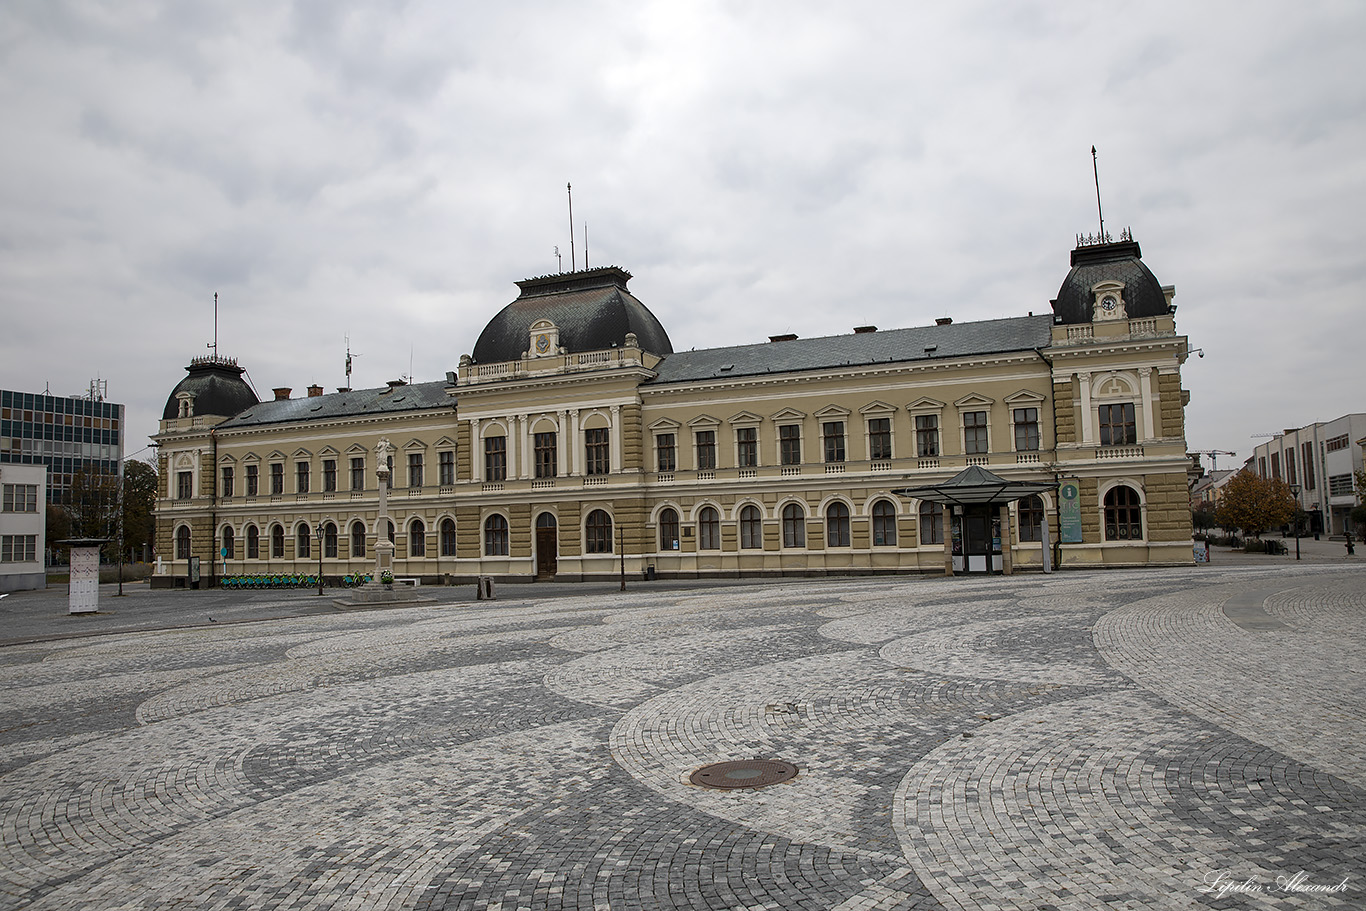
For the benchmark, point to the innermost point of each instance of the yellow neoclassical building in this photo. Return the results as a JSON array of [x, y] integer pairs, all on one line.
[[573, 443]]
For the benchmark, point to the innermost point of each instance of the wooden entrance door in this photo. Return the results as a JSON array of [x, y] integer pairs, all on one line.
[[547, 546]]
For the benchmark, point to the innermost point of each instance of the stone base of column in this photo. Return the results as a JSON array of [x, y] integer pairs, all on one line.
[[375, 594]]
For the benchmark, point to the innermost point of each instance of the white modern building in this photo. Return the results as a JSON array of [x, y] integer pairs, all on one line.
[[1322, 460], [23, 498]]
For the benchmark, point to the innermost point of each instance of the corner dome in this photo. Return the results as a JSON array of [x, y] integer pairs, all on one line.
[[592, 309], [1107, 261], [217, 387]]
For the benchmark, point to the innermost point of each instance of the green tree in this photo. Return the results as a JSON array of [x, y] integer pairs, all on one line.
[[1253, 504], [58, 529], [139, 500]]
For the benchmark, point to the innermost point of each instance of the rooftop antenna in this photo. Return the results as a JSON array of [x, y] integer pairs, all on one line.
[[1095, 169], [348, 361], [585, 246], [559, 260], [573, 260], [214, 346]]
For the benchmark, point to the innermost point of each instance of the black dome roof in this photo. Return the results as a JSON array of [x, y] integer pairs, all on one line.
[[1120, 262], [217, 386], [592, 309]]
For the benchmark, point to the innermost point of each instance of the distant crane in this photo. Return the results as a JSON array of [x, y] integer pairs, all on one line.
[[1213, 455]]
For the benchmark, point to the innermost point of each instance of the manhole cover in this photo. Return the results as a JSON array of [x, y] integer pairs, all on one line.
[[744, 773]]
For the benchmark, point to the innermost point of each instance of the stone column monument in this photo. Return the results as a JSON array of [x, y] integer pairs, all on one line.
[[375, 594]]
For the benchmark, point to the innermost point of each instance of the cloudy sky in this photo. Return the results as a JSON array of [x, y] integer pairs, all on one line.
[[387, 171]]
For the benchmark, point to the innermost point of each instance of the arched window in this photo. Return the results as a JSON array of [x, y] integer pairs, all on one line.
[[182, 543], [447, 538], [837, 525], [253, 543], [751, 528], [330, 541], [931, 523], [884, 524], [495, 536], [1123, 515], [303, 538], [417, 539], [1031, 519], [708, 529], [357, 538], [598, 532], [229, 551], [668, 530], [277, 540], [391, 531], [794, 526]]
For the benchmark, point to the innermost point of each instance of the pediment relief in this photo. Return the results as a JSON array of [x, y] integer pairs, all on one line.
[[788, 414], [251, 457], [414, 444], [226, 460], [1113, 385], [833, 411], [877, 408], [277, 456], [445, 443], [328, 451], [302, 453], [704, 420], [356, 449], [745, 417], [1024, 396], [184, 460], [664, 425]]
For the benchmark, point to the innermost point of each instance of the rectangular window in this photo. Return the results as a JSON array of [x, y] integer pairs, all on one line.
[[597, 451], [330, 475], [1117, 425], [1336, 443], [790, 444], [495, 459], [18, 548], [747, 447], [1026, 429], [227, 490], [706, 449], [357, 472], [927, 436], [832, 434], [880, 438], [1276, 465], [253, 480], [277, 478], [445, 467], [184, 485], [414, 469], [1340, 485], [975, 433], [1290, 475], [546, 455], [21, 498], [1307, 453], [666, 457], [301, 477]]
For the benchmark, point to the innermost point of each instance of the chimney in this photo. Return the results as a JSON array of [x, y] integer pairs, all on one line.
[[864, 330], [782, 338], [282, 393], [944, 321], [314, 391]]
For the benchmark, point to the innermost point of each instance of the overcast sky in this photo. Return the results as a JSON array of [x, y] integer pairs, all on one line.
[[388, 170]]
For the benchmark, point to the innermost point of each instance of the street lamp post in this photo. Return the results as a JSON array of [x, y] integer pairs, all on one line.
[[1295, 490], [319, 530]]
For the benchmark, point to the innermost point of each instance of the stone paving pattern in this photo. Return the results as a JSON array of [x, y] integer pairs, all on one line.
[[1122, 739]]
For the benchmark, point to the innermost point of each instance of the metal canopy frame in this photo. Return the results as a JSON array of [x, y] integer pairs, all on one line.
[[975, 486]]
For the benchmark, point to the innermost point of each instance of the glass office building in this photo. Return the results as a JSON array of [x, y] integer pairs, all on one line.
[[67, 434]]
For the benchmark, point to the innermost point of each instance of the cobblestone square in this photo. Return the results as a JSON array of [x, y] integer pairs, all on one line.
[[1188, 738]]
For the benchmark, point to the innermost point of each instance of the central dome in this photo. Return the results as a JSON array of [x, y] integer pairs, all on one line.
[[592, 309]]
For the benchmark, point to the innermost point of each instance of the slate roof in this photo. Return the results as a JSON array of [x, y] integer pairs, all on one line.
[[356, 403], [996, 336], [592, 309], [217, 386], [1120, 262]]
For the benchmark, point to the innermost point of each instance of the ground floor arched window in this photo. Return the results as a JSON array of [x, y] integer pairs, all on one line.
[[302, 542], [884, 524], [182, 543], [357, 538], [253, 542], [277, 540], [751, 528], [417, 539], [668, 529], [709, 529], [447, 538], [598, 533], [495, 536], [229, 544], [837, 525], [1123, 514], [1031, 519], [330, 541], [794, 526]]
